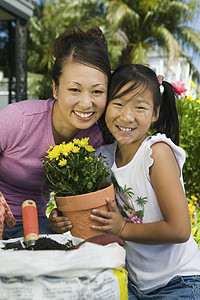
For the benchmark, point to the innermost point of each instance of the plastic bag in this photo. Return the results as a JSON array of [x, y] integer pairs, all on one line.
[[89, 272]]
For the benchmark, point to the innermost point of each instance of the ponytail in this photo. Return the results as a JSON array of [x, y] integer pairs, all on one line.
[[168, 122]]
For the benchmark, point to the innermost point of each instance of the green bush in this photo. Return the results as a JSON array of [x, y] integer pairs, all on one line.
[[189, 118], [51, 204], [196, 229], [195, 218]]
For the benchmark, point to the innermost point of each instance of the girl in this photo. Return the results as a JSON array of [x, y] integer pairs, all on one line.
[[162, 258], [80, 77]]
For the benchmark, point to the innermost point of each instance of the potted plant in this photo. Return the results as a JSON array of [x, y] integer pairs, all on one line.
[[77, 176]]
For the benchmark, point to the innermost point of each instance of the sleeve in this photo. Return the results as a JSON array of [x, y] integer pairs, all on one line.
[[179, 153], [11, 125]]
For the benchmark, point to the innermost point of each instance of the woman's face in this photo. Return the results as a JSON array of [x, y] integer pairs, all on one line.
[[81, 97]]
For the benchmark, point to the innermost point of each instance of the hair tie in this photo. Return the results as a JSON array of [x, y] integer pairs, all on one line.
[[160, 80]]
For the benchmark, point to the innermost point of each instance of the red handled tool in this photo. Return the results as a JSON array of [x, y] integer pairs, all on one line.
[[30, 223]]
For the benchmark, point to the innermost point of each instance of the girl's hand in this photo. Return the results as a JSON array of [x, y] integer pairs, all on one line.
[[112, 221], [58, 223]]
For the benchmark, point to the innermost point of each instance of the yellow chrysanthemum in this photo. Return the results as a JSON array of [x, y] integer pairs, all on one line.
[[49, 149], [194, 198], [75, 149], [190, 97], [81, 143], [67, 148], [89, 148], [54, 152], [198, 100], [192, 231], [62, 162], [71, 162], [192, 84]]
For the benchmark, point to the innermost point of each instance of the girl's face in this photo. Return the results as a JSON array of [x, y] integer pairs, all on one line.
[[81, 97], [129, 117]]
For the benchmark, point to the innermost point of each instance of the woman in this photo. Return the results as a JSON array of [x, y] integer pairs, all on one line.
[[80, 77]]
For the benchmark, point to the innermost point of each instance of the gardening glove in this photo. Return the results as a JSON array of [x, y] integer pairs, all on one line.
[[6, 215]]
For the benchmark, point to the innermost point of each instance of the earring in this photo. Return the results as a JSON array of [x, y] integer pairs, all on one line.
[[54, 96]]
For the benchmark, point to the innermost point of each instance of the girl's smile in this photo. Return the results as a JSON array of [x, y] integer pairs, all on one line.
[[125, 130]]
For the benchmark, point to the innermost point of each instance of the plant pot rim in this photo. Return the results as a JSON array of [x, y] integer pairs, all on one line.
[[67, 203]]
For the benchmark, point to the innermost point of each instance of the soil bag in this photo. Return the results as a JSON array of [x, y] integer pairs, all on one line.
[[91, 271]]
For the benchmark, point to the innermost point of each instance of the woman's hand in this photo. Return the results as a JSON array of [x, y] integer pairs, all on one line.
[[6, 215], [59, 223], [112, 221]]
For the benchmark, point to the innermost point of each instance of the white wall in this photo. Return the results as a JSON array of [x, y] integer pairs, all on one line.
[[3, 91], [178, 71]]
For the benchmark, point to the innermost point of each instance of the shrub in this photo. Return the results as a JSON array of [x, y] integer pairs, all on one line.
[[195, 218], [189, 118]]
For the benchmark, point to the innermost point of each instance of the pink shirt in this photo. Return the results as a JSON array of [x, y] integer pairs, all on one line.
[[25, 135]]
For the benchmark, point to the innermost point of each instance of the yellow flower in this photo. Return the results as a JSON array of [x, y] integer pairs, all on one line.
[[71, 168], [192, 84], [53, 152], [89, 148], [194, 198], [192, 231], [194, 220], [81, 143], [75, 149], [190, 97], [191, 208], [66, 148], [198, 100], [62, 162]]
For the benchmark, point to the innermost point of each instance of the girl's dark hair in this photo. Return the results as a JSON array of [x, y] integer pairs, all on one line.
[[143, 78], [89, 48]]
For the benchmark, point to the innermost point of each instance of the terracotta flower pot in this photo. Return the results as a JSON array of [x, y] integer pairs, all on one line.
[[78, 210]]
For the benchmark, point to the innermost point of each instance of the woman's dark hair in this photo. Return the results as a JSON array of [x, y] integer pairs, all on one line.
[[89, 48], [143, 78]]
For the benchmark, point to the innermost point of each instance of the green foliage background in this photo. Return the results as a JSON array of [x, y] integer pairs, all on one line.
[[189, 118], [132, 29]]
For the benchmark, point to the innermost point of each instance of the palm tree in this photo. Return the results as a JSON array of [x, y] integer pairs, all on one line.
[[51, 19], [132, 28], [143, 25]]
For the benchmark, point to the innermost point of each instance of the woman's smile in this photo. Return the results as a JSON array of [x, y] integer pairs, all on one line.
[[85, 116]]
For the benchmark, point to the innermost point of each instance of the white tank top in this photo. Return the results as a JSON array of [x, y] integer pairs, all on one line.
[[149, 266]]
